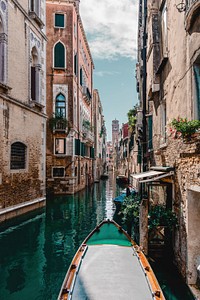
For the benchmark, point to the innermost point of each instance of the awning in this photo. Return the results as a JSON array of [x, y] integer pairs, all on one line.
[[148, 177]]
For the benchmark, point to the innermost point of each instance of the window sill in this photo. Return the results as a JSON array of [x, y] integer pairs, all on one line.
[[60, 156], [36, 18], [163, 145], [5, 89], [162, 64], [58, 27], [59, 69], [35, 104]]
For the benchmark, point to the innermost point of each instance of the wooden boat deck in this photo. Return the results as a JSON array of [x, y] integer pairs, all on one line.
[[111, 272], [110, 266]]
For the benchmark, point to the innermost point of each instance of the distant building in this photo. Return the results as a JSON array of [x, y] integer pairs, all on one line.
[[99, 137], [115, 131], [22, 102], [70, 136]]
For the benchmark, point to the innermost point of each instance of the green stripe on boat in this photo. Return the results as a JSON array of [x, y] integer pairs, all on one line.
[[109, 234]]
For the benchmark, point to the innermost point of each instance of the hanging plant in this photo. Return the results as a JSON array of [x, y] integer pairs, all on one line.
[[58, 122]]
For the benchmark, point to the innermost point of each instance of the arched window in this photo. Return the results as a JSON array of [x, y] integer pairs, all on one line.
[[60, 107], [18, 156], [35, 70], [59, 55]]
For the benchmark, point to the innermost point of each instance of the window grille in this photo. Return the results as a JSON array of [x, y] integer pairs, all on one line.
[[59, 172], [18, 156], [59, 56]]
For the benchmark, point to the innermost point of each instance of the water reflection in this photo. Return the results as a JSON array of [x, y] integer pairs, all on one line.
[[35, 253], [36, 250]]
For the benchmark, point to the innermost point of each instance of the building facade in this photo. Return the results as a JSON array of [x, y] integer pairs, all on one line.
[[99, 137], [172, 94], [70, 136], [115, 131], [22, 101]]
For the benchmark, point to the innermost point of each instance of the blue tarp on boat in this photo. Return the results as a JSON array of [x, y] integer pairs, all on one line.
[[122, 196]]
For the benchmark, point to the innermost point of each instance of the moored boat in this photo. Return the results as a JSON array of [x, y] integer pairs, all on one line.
[[124, 194], [110, 266], [104, 176], [122, 179]]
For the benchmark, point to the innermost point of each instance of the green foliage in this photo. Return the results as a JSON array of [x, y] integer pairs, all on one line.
[[130, 210], [186, 128], [132, 119], [160, 216], [103, 131], [58, 122], [86, 124]]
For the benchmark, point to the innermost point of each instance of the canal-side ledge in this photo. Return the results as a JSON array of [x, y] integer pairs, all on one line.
[[195, 291], [21, 208]]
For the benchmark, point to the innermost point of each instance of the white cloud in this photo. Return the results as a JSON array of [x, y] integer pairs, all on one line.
[[111, 27], [104, 73]]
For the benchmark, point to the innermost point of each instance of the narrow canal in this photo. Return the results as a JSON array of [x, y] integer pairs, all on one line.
[[36, 250]]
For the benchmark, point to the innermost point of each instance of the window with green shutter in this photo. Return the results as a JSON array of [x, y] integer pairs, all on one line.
[[83, 149], [92, 153], [59, 55], [77, 146], [59, 20]]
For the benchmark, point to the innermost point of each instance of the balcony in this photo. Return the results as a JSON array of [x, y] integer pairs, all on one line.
[[192, 14], [59, 124]]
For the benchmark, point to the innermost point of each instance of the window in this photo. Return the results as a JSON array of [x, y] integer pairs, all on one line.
[[81, 76], [35, 6], [164, 29], [59, 55], [197, 91], [75, 64], [59, 20], [18, 156], [58, 172], [3, 39], [77, 146], [60, 146], [150, 132], [163, 124], [60, 107], [35, 69]]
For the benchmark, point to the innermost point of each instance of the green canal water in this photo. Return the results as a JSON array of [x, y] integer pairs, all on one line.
[[36, 249]]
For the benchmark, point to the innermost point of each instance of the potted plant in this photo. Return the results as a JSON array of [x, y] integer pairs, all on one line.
[[181, 127]]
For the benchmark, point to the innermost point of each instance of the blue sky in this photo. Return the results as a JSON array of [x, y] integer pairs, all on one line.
[[111, 29]]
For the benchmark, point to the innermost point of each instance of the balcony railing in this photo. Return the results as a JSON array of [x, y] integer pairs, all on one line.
[[58, 124]]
